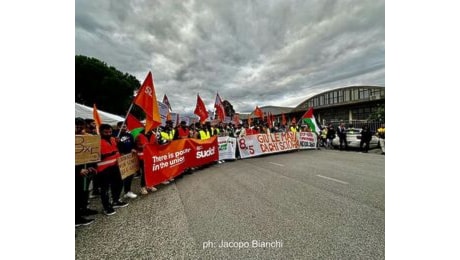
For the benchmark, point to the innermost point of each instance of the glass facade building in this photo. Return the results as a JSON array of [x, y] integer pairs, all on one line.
[[344, 104]]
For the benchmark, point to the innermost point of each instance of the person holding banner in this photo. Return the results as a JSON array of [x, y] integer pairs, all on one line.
[[109, 175], [90, 129], [82, 172], [182, 131], [126, 145], [167, 133], [141, 140]]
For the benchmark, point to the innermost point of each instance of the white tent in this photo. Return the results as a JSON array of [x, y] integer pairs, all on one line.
[[87, 112]]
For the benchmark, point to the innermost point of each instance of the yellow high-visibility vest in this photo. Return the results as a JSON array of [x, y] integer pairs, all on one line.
[[205, 134]]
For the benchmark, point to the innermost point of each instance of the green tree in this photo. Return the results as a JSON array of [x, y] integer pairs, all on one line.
[[108, 88], [379, 114]]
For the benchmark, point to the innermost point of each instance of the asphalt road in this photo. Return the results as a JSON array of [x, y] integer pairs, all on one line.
[[311, 204]]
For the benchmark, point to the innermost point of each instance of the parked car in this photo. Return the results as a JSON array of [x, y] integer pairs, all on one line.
[[354, 139]]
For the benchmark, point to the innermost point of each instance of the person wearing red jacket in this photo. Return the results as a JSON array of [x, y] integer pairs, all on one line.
[[108, 172]]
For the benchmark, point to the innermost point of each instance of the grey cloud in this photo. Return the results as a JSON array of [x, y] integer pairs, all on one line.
[[251, 52]]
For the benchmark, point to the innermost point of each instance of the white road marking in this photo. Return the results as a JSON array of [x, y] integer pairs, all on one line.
[[277, 164], [332, 179]]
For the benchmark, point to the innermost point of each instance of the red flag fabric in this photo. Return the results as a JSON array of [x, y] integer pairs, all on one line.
[[146, 99], [283, 119], [200, 110], [219, 106], [97, 118], [166, 102], [258, 112], [163, 162], [269, 119], [132, 122]]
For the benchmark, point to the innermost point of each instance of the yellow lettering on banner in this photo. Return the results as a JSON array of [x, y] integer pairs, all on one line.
[[87, 149], [128, 164]]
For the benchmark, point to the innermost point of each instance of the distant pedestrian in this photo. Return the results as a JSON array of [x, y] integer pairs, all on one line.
[[381, 135], [330, 135], [366, 137], [342, 134]]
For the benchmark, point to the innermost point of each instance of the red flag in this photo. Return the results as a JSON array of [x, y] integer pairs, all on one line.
[[283, 119], [200, 109], [97, 118], [166, 102], [132, 122], [219, 106], [269, 119], [147, 100], [259, 113]]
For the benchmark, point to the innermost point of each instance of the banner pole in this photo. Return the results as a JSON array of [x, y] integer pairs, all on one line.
[[126, 117]]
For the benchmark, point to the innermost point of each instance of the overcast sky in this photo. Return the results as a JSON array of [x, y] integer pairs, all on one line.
[[252, 52]]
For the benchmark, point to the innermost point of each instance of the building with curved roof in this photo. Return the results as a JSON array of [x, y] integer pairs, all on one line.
[[343, 104]]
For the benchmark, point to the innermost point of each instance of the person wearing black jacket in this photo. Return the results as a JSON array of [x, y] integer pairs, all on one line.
[[330, 135], [342, 134], [366, 137]]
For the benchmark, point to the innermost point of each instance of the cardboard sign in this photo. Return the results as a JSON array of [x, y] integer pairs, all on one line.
[[87, 149], [128, 164]]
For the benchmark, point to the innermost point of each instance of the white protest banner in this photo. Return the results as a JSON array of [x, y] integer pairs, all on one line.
[[227, 147], [307, 140], [255, 145]]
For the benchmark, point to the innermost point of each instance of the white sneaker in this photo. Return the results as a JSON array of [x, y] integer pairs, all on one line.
[[130, 195], [144, 191], [152, 189], [165, 182]]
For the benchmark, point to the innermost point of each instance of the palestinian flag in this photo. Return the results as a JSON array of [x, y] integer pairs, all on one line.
[[309, 119]]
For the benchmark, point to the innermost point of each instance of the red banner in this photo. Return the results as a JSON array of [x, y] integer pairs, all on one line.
[[163, 162]]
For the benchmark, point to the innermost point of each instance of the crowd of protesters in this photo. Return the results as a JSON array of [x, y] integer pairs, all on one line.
[[104, 177]]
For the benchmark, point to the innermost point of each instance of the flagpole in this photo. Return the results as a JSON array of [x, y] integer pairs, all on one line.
[[126, 117]]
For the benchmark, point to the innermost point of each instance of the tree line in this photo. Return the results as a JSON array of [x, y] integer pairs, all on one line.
[[110, 89]]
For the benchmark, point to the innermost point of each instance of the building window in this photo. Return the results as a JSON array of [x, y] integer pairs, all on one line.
[[347, 95], [364, 94], [340, 98], [355, 94]]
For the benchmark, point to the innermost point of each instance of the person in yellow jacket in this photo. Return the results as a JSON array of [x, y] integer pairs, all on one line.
[[168, 132], [206, 132], [381, 135], [167, 135], [293, 128]]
